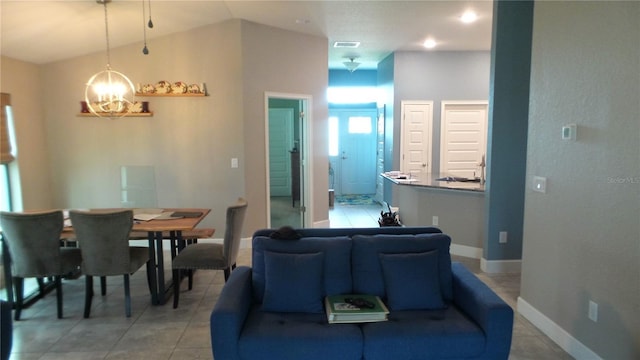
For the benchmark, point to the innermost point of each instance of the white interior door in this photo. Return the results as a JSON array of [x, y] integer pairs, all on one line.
[[280, 143], [463, 137], [416, 136]]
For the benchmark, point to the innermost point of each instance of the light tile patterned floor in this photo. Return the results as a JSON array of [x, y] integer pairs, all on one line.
[[161, 332]]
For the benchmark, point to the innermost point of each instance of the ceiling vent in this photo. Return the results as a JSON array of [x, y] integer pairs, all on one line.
[[346, 44]]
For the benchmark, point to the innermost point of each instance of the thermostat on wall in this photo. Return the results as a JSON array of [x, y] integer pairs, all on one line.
[[569, 132]]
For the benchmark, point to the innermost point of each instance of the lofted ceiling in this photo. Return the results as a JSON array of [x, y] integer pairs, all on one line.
[[52, 30]]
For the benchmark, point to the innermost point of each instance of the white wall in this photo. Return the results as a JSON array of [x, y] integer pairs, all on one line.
[[30, 170], [281, 61], [189, 141], [438, 76], [582, 238]]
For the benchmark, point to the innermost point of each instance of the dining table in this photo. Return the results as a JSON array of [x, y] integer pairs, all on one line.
[[165, 227]]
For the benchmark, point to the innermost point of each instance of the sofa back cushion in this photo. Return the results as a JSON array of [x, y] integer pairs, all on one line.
[[368, 276], [293, 282], [336, 258]]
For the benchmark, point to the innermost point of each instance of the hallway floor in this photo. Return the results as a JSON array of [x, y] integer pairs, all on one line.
[[161, 332]]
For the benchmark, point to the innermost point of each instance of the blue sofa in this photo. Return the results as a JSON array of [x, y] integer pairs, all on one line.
[[438, 309]]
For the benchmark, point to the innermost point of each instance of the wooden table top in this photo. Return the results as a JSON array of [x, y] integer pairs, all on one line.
[[176, 224]]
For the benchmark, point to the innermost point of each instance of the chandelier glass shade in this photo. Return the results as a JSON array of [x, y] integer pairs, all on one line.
[[351, 65], [109, 93]]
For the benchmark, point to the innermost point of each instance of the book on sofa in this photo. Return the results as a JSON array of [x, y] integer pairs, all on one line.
[[355, 308]]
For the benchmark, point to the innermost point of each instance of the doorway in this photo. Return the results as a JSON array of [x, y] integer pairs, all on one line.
[[287, 134], [352, 151]]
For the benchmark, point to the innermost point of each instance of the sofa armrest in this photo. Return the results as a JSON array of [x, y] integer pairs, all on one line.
[[229, 314], [486, 308]]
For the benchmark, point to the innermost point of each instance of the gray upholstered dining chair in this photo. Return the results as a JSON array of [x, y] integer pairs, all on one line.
[[104, 242], [33, 242], [202, 256]]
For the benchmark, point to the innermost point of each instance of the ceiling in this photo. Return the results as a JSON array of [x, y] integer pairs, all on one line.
[[51, 30]]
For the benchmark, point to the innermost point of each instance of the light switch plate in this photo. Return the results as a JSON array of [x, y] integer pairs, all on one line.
[[569, 132], [540, 184]]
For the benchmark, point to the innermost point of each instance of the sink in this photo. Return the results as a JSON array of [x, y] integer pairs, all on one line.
[[459, 179]]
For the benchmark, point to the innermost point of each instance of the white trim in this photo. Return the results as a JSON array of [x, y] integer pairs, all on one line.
[[245, 243], [322, 224], [500, 266], [466, 251], [306, 159], [561, 337]]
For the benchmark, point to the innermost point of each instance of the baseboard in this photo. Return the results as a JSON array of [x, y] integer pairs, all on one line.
[[245, 243], [322, 224], [567, 342], [466, 251], [500, 266]]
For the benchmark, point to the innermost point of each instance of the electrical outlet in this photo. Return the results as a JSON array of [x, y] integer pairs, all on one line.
[[234, 163], [593, 311], [502, 239], [434, 221]]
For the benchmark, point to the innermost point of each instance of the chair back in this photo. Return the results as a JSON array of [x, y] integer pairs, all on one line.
[[233, 230], [104, 241], [33, 241]]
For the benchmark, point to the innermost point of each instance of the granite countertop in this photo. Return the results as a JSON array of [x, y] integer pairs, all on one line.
[[436, 181]]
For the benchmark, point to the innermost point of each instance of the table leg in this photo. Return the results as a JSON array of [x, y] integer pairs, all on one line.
[[160, 269], [172, 237], [160, 290], [153, 268]]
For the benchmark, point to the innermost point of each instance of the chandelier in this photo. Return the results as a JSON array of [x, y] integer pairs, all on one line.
[[351, 65], [109, 93]]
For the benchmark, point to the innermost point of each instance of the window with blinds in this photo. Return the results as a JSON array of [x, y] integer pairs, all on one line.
[[6, 154]]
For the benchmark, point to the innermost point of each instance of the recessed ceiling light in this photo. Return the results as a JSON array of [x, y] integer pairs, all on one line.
[[429, 43], [468, 17], [303, 21]]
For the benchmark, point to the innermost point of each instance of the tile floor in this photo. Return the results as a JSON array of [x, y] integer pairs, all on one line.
[[161, 332]]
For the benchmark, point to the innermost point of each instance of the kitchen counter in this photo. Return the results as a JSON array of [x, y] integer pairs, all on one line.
[[456, 207], [434, 181]]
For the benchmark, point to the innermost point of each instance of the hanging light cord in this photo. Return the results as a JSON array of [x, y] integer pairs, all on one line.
[[150, 22], [145, 49], [106, 26]]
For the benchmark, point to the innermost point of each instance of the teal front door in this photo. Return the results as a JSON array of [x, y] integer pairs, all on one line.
[[353, 137]]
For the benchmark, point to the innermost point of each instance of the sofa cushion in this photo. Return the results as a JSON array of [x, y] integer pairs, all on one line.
[[294, 282], [367, 270], [425, 334], [294, 336], [411, 281], [336, 268]]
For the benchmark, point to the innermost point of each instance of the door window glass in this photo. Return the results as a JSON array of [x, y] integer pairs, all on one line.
[[333, 136], [359, 125]]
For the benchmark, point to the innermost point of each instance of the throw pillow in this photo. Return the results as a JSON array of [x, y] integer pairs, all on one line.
[[411, 281], [294, 282]]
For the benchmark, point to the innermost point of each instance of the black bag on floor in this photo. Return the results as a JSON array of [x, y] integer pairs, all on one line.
[[388, 218]]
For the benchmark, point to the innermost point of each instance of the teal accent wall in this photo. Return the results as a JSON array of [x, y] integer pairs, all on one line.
[[356, 78], [508, 125]]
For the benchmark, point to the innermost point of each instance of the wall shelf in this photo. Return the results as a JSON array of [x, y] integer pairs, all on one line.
[[148, 114], [171, 95]]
